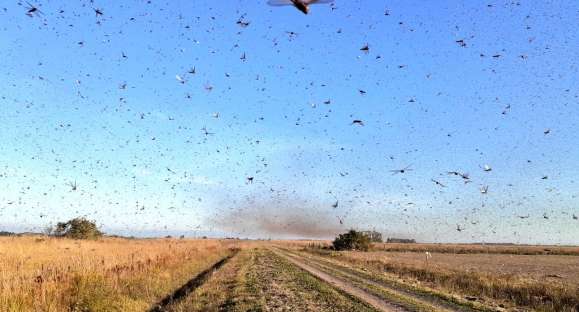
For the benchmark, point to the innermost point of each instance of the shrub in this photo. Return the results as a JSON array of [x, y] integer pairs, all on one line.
[[352, 240], [5, 233], [77, 228]]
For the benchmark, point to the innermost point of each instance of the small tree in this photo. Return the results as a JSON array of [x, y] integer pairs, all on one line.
[[352, 240], [77, 228]]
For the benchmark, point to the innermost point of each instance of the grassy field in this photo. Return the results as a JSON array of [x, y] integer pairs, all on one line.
[[543, 283], [554, 269], [112, 274], [49, 274], [480, 249]]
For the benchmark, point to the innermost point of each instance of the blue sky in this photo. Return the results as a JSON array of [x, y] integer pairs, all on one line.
[[108, 101]]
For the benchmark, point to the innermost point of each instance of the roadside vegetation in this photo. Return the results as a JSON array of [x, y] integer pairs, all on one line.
[[352, 240], [108, 274], [504, 290]]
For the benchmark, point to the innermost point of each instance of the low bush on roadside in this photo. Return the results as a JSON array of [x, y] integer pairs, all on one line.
[[352, 240]]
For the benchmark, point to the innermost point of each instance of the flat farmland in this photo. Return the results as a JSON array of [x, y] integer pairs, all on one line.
[[503, 280], [554, 268], [510, 249], [50, 274], [114, 274]]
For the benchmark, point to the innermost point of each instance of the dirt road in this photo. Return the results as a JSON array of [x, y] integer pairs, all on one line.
[[275, 279], [378, 303], [382, 294], [259, 280]]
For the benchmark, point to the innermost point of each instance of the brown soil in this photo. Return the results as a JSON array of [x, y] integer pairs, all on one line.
[[375, 301], [552, 268]]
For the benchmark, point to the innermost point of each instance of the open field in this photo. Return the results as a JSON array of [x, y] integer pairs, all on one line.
[[112, 274], [556, 269], [480, 248], [545, 283], [49, 274]]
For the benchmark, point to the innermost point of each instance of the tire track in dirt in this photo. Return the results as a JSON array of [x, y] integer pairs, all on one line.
[[190, 286], [376, 302], [405, 297]]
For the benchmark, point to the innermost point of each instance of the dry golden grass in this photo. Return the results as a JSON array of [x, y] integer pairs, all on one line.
[[50, 274], [515, 280], [555, 269], [113, 274], [480, 249]]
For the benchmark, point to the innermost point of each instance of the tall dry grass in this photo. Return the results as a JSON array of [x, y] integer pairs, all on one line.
[[479, 248], [512, 289], [112, 274]]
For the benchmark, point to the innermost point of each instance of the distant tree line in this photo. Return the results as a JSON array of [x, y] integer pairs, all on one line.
[[401, 240], [375, 237], [5, 233]]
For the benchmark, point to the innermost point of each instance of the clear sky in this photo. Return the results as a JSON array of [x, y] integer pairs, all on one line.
[[111, 104]]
